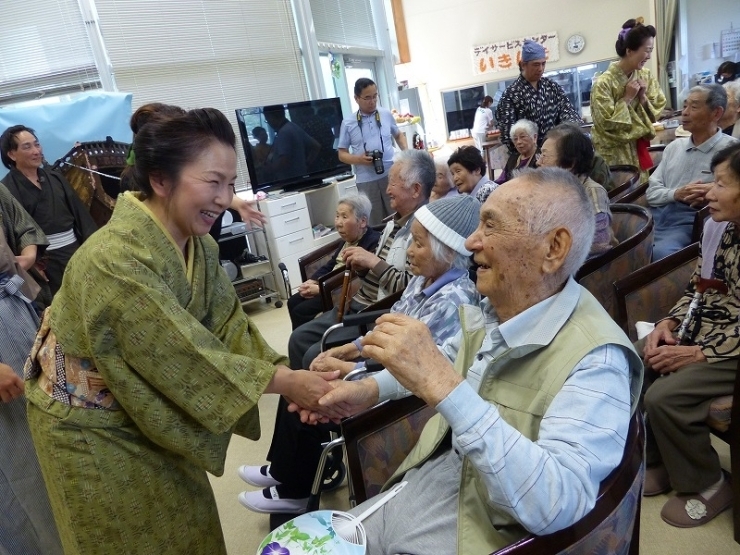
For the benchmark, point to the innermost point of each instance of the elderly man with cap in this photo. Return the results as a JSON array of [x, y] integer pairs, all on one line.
[[439, 261], [533, 97], [535, 411]]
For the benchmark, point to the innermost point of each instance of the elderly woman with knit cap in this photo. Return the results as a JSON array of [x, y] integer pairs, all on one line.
[[626, 100], [439, 261]]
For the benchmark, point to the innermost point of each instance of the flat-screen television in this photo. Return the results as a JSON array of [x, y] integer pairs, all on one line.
[[291, 146]]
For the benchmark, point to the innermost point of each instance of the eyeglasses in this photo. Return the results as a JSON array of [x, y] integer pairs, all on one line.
[[369, 98]]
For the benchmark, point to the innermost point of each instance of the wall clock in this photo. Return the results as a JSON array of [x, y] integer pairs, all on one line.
[[575, 43]]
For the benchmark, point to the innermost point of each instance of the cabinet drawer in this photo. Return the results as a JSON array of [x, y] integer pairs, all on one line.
[[347, 187], [285, 224], [300, 241], [289, 203]]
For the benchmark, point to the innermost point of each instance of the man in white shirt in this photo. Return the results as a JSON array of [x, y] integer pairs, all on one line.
[[679, 183]]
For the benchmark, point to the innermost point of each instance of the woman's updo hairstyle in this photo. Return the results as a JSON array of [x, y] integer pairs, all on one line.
[[165, 146], [632, 36]]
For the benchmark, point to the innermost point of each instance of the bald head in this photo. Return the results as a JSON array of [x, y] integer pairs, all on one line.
[[550, 198]]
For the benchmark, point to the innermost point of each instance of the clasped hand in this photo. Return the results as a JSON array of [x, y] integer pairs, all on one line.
[[693, 193], [662, 352]]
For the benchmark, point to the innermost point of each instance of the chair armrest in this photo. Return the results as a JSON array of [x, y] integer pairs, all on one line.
[[327, 285], [308, 259]]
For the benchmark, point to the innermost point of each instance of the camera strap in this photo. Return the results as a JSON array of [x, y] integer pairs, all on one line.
[[380, 134]]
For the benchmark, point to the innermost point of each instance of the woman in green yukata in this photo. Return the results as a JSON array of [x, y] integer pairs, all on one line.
[[626, 100], [145, 364]]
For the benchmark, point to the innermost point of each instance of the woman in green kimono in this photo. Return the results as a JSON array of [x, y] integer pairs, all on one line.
[[145, 363], [626, 100]]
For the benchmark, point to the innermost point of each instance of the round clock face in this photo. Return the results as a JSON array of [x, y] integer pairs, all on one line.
[[575, 44]]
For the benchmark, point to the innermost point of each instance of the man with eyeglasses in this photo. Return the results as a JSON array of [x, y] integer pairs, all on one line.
[[369, 135], [533, 97]]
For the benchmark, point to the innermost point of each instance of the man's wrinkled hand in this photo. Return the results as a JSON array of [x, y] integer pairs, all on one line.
[[331, 364], [358, 258], [669, 358], [405, 347]]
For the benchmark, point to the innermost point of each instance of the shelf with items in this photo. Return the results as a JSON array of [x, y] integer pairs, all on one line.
[[254, 278], [291, 219]]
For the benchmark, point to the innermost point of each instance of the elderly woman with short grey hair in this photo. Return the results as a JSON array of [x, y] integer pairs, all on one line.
[[524, 137], [730, 122], [350, 220]]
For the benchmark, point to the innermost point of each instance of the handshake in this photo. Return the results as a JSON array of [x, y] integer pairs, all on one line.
[[401, 344]]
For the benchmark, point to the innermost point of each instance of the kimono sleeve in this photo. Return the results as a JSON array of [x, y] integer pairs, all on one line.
[[168, 369]]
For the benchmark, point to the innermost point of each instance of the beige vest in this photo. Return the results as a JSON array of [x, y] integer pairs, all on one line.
[[522, 391]]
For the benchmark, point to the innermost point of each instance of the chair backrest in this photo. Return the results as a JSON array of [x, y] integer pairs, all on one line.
[[656, 153], [309, 263], [613, 525], [378, 440], [625, 178], [698, 226], [633, 227], [97, 191], [647, 294], [636, 196]]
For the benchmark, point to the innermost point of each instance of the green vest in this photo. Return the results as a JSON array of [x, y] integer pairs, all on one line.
[[522, 392]]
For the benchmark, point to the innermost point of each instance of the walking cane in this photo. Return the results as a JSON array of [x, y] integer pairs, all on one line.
[[343, 304], [702, 285]]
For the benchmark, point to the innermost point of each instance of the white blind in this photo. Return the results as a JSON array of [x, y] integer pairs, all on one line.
[[345, 22], [225, 54], [44, 50]]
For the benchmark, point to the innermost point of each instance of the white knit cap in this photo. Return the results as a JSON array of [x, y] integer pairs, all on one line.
[[451, 220]]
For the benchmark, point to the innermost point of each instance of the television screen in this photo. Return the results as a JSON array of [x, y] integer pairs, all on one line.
[[291, 146]]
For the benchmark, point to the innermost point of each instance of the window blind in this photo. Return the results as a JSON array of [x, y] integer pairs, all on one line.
[[225, 54], [45, 50], [344, 22]]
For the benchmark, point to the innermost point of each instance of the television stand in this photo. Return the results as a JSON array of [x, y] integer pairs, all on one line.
[[291, 218]]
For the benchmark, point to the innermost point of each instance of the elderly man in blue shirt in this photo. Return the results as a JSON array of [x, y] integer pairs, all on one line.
[[538, 403]]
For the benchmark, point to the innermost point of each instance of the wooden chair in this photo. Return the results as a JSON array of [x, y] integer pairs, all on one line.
[[647, 295], [625, 178], [613, 525], [93, 170], [636, 196], [656, 153], [378, 440], [633, 227], [309, 263]]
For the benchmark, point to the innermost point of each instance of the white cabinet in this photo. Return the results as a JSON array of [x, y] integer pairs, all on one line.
[[290, 221]]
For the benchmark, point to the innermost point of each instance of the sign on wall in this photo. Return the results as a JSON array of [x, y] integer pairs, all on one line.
[[506, 54]]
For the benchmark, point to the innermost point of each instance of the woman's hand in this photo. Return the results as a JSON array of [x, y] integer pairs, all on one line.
[[631, 91], [248, 212], [308, 289], [11, 386]]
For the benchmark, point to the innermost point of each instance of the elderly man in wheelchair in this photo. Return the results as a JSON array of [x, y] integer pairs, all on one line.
[[535, 411]]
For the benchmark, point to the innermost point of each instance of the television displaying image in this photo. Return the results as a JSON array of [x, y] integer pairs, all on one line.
[[291, 146]]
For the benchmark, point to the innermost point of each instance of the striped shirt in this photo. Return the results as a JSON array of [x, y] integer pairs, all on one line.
[[393, 272], [550, 483]]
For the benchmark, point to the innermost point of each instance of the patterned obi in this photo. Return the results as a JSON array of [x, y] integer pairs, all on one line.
[[70, 380]]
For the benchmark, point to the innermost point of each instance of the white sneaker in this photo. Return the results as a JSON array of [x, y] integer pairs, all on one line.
[[257, 502], [257, 476]]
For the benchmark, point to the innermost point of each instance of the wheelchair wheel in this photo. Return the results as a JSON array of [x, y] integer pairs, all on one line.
[[334, 473]]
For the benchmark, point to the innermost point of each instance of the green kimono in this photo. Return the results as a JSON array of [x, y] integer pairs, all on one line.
[[162, 366], [617, 125]]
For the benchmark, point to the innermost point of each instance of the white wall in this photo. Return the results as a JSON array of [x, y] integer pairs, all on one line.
[[703, 28], [441, 35]]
